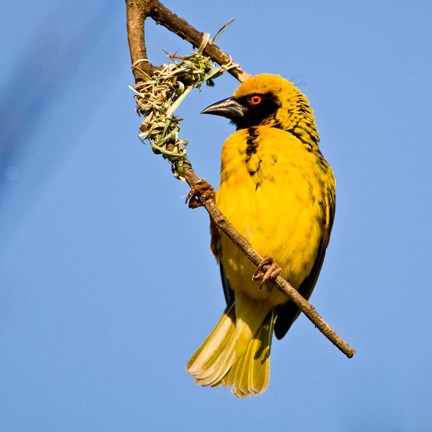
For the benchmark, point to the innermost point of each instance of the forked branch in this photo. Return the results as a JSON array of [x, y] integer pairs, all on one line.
[[137, 12]]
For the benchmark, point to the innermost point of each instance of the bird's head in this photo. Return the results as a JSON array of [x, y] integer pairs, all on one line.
[[269, 100]]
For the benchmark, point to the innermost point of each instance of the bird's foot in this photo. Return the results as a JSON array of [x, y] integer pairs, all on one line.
[[266, 271], [201, 192]]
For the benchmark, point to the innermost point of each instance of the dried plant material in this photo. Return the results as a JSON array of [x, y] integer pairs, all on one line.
[[159, 96]]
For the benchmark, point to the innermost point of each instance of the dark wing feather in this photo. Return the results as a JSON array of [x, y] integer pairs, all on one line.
[[228, 292], [289, 312], [217, 251]]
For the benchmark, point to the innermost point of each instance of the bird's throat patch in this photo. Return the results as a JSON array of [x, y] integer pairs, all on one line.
[[251, 142], [253, 161]]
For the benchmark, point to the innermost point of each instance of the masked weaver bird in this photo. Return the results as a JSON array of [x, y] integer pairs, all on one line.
[[278, 191]]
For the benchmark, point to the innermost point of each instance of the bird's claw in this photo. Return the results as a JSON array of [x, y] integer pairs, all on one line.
[[266, 271], [201, 192]]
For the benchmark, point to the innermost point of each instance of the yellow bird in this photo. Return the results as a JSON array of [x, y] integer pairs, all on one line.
[[278, 191]]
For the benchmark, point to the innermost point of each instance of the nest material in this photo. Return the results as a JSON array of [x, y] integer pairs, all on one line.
[[159, 96]]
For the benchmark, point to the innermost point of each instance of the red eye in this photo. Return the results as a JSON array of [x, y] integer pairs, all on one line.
[[255, 99]]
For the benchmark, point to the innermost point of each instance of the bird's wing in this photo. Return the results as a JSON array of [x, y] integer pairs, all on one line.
[[289, 312], [217, 251], [228, 292]]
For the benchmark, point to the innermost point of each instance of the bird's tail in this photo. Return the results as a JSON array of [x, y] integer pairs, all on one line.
[[234, 356]]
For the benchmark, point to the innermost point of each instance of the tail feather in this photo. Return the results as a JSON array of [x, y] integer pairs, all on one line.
[[218, 360], [214, 357], [259, 375], [241, 372], [251, 373]]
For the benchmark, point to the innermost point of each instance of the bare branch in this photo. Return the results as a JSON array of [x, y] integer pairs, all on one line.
[[137, 12], [182, 28]]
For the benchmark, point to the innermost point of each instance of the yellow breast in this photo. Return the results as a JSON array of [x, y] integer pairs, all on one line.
[[273, 190]]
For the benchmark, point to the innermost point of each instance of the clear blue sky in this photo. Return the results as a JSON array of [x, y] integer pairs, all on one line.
[[107, 284]]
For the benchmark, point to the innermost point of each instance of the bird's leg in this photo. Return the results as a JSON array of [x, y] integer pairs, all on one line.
[[266, 271], [201, 192]]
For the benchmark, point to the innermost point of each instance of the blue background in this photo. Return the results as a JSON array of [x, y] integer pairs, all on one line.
[[107, 284]]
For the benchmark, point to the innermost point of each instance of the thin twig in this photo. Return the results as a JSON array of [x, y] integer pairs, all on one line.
[[137, 12], [182, 28]]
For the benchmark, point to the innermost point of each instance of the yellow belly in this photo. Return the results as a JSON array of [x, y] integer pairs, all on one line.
[[274, 197]]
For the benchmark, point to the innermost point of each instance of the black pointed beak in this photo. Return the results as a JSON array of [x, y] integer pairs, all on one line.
[[228, 108]]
